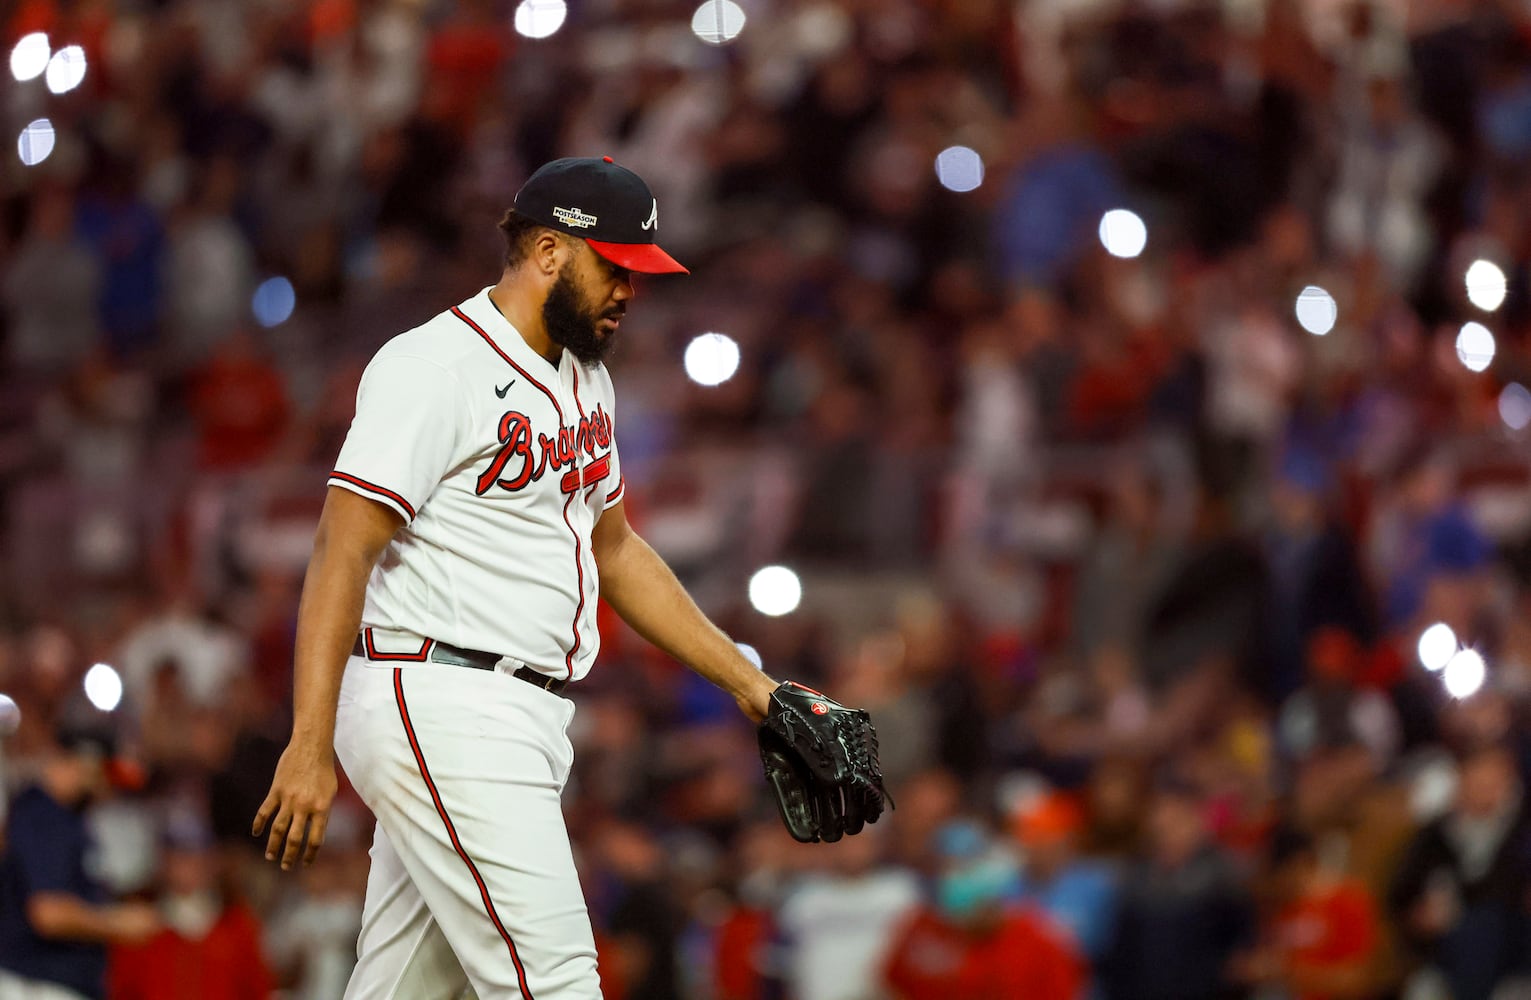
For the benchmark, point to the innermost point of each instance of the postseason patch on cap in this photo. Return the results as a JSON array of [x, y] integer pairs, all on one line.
[[607, 205], [574, 217]]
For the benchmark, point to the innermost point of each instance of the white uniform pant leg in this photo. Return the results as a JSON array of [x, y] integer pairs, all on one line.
[[464, 770], [401, 952]]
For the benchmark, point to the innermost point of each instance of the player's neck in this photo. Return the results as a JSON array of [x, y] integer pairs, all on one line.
[[522, 308]]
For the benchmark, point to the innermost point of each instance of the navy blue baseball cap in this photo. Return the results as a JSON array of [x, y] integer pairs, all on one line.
[[606, 205]]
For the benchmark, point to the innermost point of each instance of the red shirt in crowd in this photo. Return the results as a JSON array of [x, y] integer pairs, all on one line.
[[742, 937], [227, 964], [1022, 958], [1326, 932]]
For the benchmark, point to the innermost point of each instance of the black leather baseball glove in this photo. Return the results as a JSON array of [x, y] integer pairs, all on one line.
[[821, 761]]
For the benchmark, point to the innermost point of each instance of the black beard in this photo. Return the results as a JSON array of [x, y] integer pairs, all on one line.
[[570, 325]]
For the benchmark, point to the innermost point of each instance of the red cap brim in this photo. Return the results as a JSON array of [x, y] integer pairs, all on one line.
[[644, 258]]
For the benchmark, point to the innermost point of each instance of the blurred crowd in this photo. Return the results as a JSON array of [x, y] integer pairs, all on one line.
[[1130, 568]]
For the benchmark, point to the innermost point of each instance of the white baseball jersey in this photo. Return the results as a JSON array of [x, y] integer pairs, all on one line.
[[500, 464]]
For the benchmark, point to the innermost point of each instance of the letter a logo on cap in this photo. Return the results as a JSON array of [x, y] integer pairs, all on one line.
[[653, 222]]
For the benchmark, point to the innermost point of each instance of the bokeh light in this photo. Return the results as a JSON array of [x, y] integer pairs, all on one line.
[[103, 686], [10, 715], [711, 359], [1475, 346], [959, 169], [540, 18], [1465, 674], [718, 22], [1437, 645], [66, 69], [35, 142], [775, 591], [1515, 406], [752, 654], [30, 56], [1123, 233], [1486, 285], [273, 301], [1316, 310]]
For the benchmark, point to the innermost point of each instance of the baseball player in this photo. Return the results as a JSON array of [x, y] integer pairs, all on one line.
[[451, 599]]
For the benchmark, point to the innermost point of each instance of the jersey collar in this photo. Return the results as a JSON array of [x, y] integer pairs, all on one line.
[[482, 310]]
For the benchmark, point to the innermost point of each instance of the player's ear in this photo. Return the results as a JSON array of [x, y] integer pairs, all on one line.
[[548, 253]]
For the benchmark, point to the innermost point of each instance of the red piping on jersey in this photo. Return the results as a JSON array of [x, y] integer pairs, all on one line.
[[456, 311], [621, 485], [374, 488], [373, 654], [441, 810], [579, 567], [579, 562]]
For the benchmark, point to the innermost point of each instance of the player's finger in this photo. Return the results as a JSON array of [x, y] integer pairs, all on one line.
[[263, 814], [315, 837], [278, 835], [294, 839]]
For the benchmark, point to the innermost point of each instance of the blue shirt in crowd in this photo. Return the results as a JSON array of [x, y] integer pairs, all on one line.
[[46, 846]]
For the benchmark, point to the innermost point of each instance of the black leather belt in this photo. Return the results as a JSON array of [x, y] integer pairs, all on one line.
[[440, 652]]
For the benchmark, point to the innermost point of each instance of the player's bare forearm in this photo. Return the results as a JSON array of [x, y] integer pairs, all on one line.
[[353, 532], [641, 588]]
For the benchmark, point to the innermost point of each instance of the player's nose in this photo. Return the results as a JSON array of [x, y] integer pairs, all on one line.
[[624, 289]]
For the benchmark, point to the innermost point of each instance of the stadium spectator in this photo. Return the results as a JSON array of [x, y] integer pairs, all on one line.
[[210, 945], [837, 923], [1323, 938], [1077, 893], [968, 944], [1182, 898], [56, 919], [1460, 893]]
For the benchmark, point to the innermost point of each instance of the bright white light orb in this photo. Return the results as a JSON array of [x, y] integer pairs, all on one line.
[[1316, 310], [959, 169], [1123, 233], [1437, 645], [718, 22], [103, 686], [35, 142], [1475, 346], [10, 715], [66, 70], [540, 18], [273, 301], [1465, 674], [1486, 285], [775, 591], [711, 359], [30, 56], [1515, 406]]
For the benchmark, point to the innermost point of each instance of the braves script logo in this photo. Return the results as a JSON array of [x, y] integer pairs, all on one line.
[[521, 460], [574, 217], [653, 222]]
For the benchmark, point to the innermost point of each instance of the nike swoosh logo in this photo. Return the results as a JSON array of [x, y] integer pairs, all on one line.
[[501, 392]]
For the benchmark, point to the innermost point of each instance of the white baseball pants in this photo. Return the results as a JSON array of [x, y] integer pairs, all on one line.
[[472, 880]]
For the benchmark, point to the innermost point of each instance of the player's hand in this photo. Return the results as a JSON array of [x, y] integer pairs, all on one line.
[[134, 923], [299, 801]]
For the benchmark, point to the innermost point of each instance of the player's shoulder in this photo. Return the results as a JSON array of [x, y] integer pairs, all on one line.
[[444, 340]]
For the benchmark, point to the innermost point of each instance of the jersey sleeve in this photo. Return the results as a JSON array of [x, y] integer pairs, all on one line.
[[403, 439]]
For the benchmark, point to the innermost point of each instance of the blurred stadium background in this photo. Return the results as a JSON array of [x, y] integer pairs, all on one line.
[[1125, 401]]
